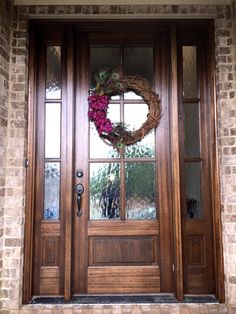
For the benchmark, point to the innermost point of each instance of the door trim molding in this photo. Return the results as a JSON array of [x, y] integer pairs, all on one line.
[[215, 179], [30, 175], [178, 267], [69, 164]]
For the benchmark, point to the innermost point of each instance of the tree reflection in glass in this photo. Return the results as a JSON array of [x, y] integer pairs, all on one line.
[[104, 191], [53, 74], [140, 190]]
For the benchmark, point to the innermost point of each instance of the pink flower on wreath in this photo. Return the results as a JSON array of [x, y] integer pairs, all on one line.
[[98, 105]]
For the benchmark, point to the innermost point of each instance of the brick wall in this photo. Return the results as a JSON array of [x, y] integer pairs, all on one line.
[[13, 141], [226, 101], [13, 124], [5, 31]]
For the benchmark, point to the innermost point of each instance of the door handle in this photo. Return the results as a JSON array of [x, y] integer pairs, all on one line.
[[79, 189]]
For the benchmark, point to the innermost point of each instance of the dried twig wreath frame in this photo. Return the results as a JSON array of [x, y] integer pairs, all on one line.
[[110, 83]]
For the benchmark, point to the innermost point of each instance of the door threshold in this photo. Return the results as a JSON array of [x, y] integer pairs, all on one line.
[[125, 299]]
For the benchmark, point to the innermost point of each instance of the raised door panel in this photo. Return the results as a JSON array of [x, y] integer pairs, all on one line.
[[196, 251], [122, 251]]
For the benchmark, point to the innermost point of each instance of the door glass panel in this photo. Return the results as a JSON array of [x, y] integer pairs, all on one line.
[[101, 58], [53, 72], [191, 132], [140, 190], [189, 72], [139, 61], [98, 149], [146, 147], [104, 191], [52, 130], [51, 190], [193, 189]]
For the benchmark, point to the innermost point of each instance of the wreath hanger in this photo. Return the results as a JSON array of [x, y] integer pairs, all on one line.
[[110, 83]]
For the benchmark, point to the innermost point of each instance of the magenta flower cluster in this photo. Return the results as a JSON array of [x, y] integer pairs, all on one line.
[[98, 105]]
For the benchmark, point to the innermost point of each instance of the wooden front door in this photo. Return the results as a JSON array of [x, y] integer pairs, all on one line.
[[123, 236]]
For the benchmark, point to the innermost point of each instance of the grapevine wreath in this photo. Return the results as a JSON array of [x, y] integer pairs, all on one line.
[[109, 83]]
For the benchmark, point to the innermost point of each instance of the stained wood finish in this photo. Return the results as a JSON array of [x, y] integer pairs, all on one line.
[[69, 175], [49, 281], [80, 235], [124, 280], [77, 256], [116, 228], [178, 262], [163, 152]]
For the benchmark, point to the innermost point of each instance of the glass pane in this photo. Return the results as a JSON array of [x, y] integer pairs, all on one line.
[[104, 191], [51, 190], [52, 130], [101, 58], [53, 79], [146, 147], [189, 72], [139, 61], [98, 149], [140, 190], [191, 130], [193, 190]]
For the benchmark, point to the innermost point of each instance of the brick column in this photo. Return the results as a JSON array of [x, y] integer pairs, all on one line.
[[13, 122], [5, 32]]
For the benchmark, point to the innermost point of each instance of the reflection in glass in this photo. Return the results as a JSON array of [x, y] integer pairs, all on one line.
[[101, 58], [189, 72], [135, 115], [146, 147], [53, 77], [52, 130], [51, 190], [115, 97], [193, 190], [191, 130], [140, 190], [98, 149], [139, 61], [131, 96], [104, 191]]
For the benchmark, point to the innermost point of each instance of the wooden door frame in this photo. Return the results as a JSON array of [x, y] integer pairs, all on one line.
[[30, 173]]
